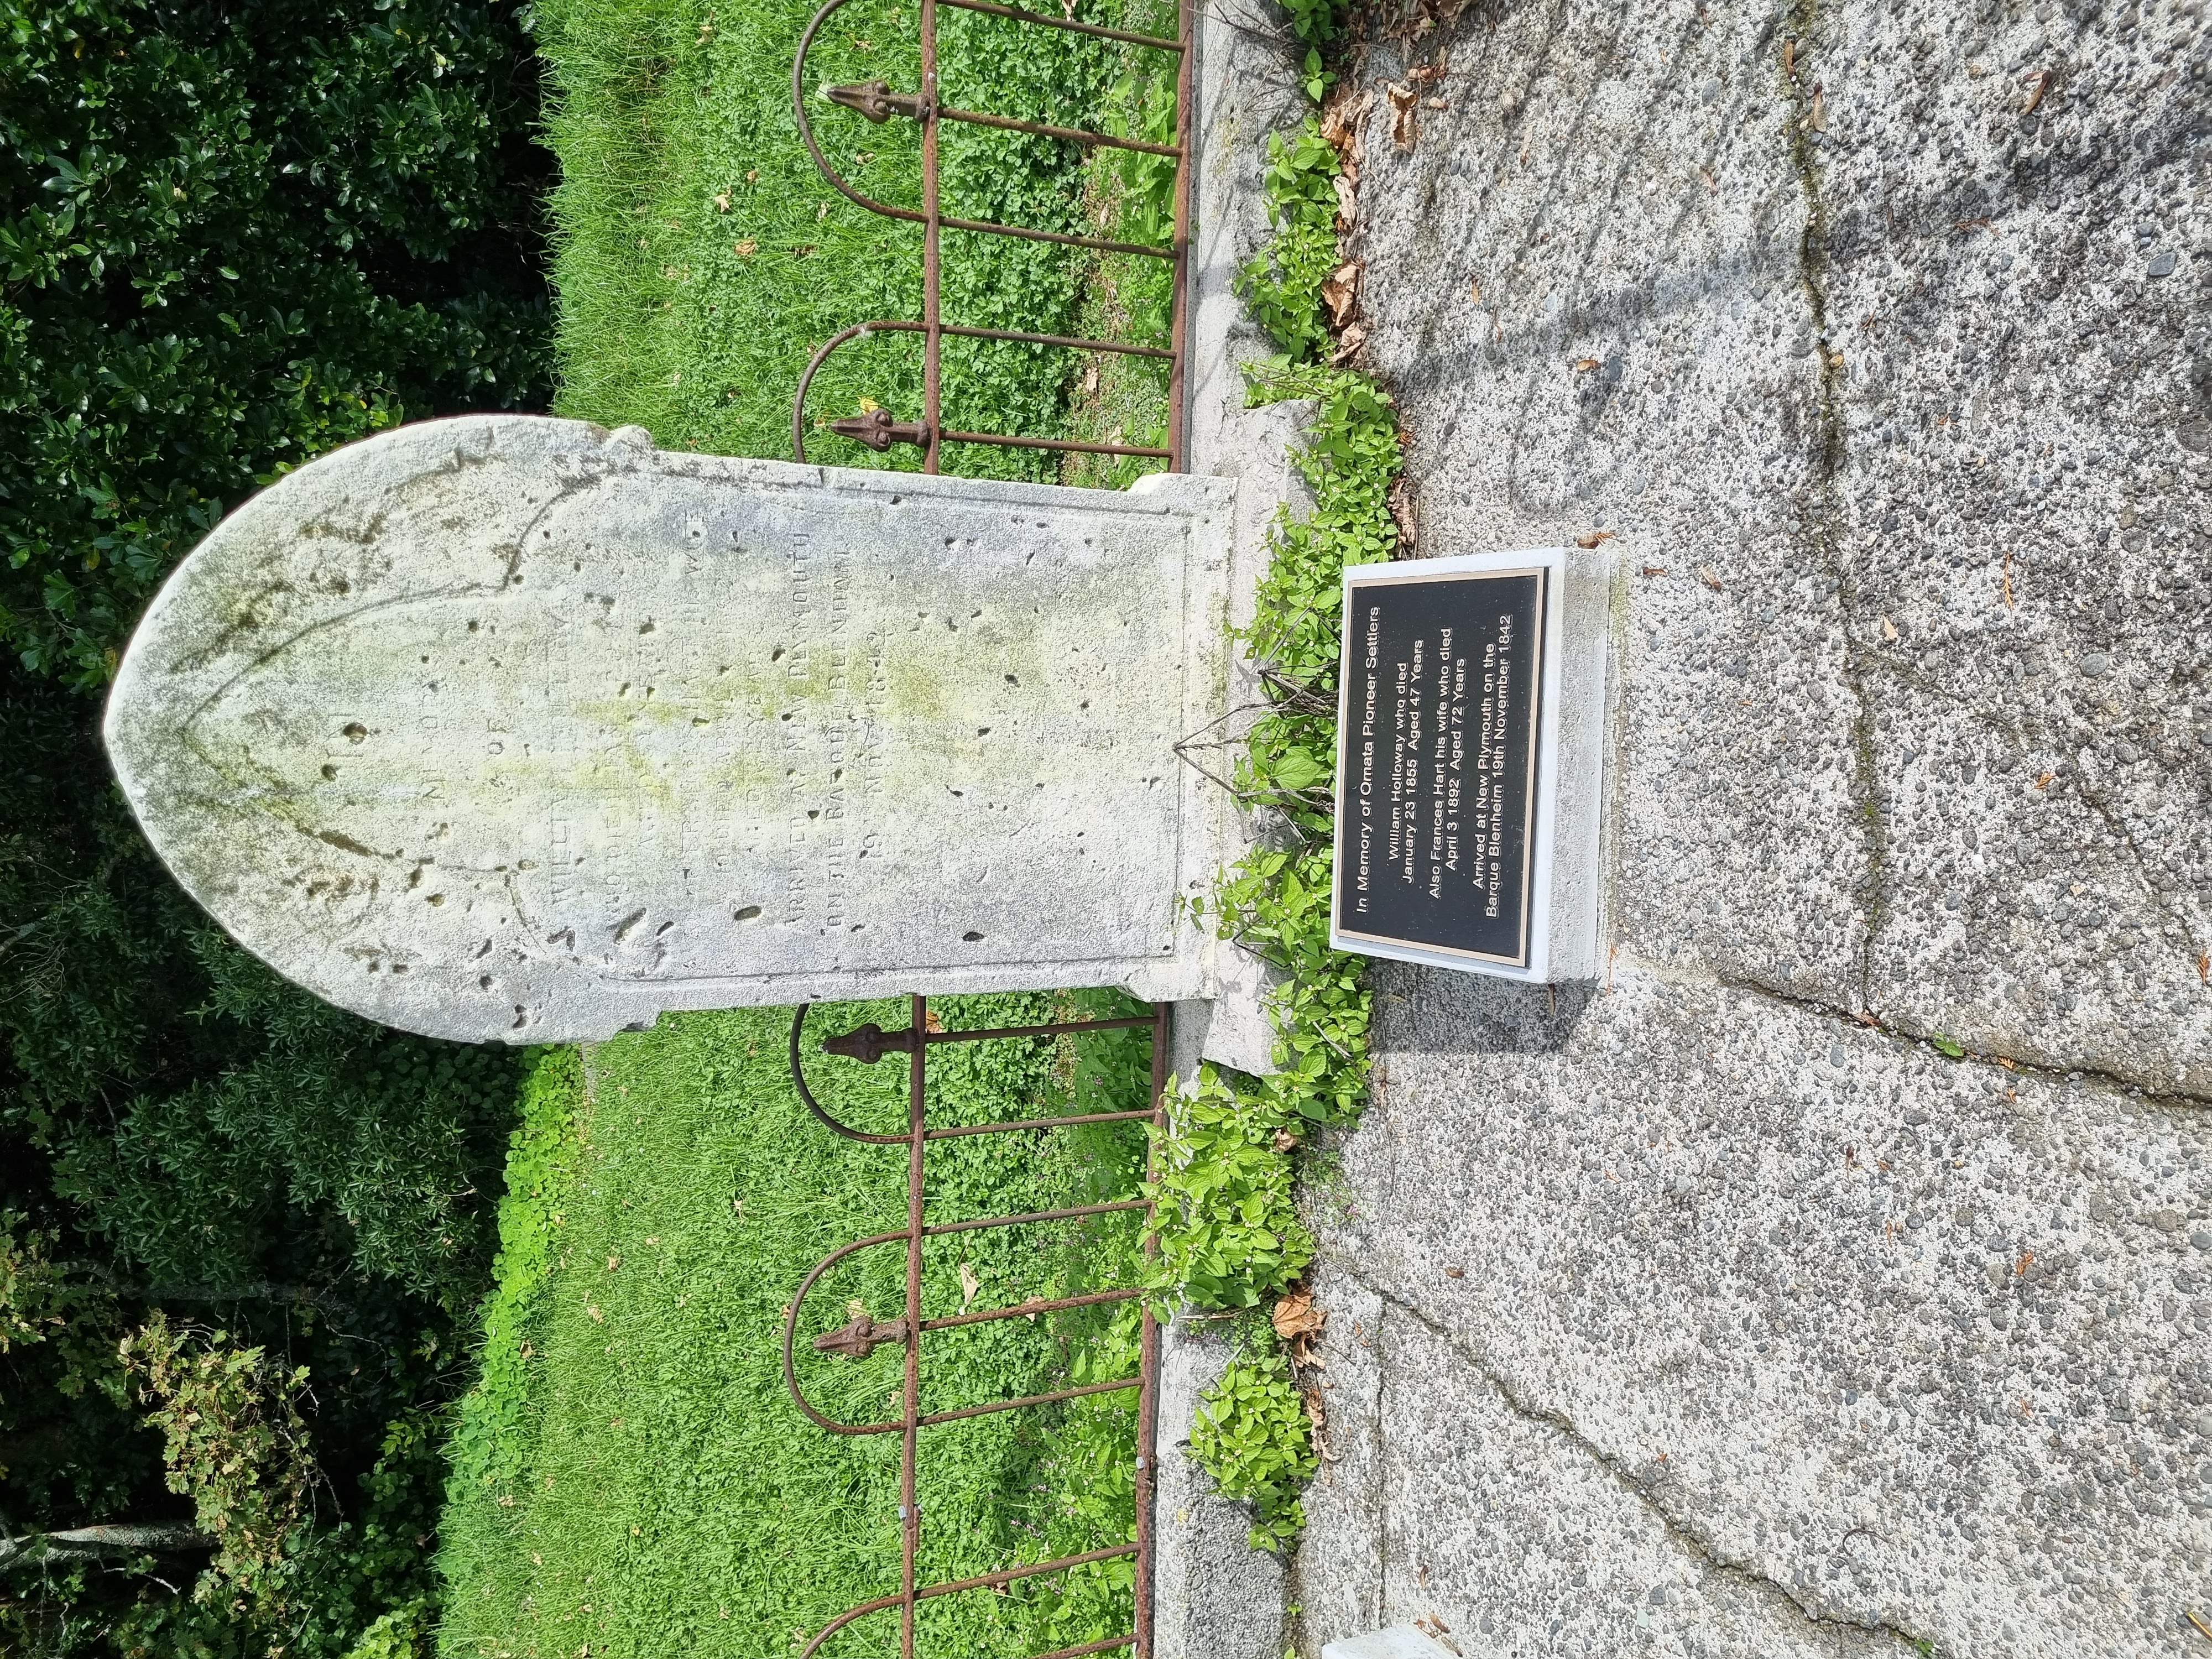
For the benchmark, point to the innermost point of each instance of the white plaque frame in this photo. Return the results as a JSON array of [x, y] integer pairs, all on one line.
[[1566, 839]]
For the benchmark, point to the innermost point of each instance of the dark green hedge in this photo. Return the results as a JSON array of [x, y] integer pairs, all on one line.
[[230, 238]]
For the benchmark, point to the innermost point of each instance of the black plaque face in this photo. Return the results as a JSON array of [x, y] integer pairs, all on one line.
[[1436, 756]]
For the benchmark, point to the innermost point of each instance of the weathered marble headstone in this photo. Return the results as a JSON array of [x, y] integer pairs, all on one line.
[[514, 727]]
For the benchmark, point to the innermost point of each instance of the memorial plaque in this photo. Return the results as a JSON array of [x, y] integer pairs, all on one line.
[[1448, 764]]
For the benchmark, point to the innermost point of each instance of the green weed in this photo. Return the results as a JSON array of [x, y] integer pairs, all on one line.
[[1229, 1235], [1281, 284], [1251, 1435], [1228, 1226]]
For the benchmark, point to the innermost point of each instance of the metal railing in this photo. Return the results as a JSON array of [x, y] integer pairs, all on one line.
[[876, 101], [863, 1334]]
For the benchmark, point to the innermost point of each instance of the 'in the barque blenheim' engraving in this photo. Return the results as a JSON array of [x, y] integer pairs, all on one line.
[[512, 727]]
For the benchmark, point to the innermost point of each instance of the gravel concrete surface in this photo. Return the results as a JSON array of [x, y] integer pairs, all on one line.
[[1836, 1275]]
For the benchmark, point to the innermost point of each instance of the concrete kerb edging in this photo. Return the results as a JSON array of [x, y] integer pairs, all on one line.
[[1214, 1596]]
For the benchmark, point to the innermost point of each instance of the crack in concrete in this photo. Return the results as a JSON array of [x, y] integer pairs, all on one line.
[[1678, 1528], [1819, 510], [1382, 1480], [1865, 1019]]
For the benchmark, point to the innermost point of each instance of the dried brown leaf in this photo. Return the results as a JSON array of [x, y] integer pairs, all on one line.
[[1295, 1316], [1405, 104], [1403, 512], [1347, 199], [1354, 336], [1340, 293], [1341, 122]]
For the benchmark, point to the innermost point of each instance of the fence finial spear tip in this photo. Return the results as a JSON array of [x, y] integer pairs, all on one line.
[[876, 101]]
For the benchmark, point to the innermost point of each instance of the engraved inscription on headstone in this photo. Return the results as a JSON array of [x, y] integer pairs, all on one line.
[[1450, 846], [513, 727]]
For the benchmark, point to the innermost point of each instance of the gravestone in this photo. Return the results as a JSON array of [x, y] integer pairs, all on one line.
[[511, 727]]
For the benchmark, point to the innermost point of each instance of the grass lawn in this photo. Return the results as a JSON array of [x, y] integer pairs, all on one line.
[[631, 1477], [700, 257]]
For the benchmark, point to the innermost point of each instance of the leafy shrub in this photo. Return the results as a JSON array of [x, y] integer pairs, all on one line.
[[179, 1129], [231, 237], [1250, 1434], [1281, 284], [392, 1135], [235, 1442]]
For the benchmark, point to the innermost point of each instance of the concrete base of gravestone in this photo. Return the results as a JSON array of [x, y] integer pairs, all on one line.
[[1398, 1642], [1253, 447], [511, 727], [1214, 1595], [1243, 92]]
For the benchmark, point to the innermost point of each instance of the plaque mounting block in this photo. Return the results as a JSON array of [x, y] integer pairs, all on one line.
[[1469, 760]]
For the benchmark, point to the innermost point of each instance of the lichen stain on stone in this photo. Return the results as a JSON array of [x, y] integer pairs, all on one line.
[[346, 843]]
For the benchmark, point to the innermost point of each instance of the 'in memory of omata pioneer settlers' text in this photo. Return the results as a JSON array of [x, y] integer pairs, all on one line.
[[1437, 772]]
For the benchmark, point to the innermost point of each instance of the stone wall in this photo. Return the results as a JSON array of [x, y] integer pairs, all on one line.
[[1835, 1275]]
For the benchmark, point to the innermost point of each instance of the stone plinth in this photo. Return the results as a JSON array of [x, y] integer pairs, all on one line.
[[512, 727]]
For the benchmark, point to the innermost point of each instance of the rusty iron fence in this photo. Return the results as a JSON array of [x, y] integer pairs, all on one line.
[[876, 102], [864, 1333]]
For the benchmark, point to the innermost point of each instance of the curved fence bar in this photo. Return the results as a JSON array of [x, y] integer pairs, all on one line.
[[806, 1094], [875, 101], [864, 1333], [984, 1580], [886, 326], [806, 127]]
